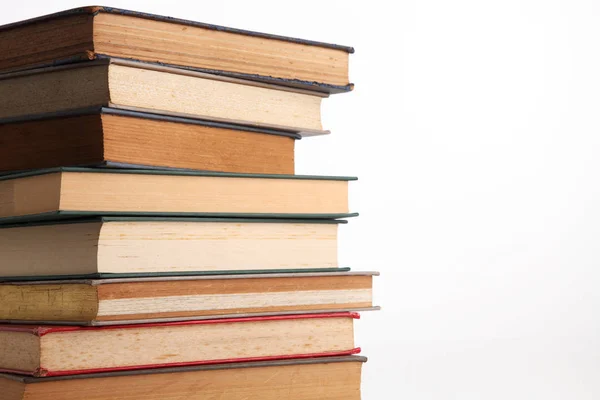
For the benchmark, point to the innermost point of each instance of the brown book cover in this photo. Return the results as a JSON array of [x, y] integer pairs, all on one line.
[[94, 32], [323, 378], [110, 137]]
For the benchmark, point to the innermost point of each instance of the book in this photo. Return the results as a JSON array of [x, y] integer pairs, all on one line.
[[94, 32], [137, 246], [62, 350], [323, 378], [139, 86], [152, 299], [77, 192], [108, 137]]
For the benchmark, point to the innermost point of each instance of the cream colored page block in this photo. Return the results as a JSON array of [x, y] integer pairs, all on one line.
[[203, 97], [214, 246], [231, 301], [19, 351], [60, 249], [170, 193], [146, 346], [30, 195], [60, 90]]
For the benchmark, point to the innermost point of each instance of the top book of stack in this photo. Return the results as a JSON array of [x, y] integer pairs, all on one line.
[[102, 32]]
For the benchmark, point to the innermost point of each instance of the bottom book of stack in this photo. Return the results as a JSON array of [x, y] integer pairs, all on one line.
[[324, 378]]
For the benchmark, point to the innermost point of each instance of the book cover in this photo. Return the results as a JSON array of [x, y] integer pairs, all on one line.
[[121, 192], [323, 378], [124, 84], [115, 247], [116, 342], [178, 298], [85, 49], [118, 138]]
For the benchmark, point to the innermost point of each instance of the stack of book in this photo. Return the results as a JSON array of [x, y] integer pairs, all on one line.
[[154, 240]]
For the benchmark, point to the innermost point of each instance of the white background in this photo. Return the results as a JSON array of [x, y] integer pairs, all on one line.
[[474, 130]]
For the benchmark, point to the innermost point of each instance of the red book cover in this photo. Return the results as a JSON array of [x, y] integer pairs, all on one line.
[[66, 350]]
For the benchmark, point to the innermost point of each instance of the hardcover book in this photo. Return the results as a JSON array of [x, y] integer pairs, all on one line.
[[61, 350], [109, 137], [139, 86], [138, 246], [94, 32], [143, 300], [78, 192], [323, 378]]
